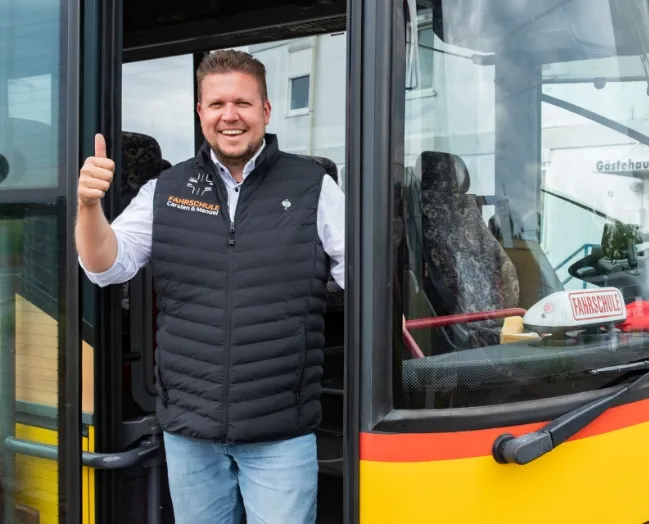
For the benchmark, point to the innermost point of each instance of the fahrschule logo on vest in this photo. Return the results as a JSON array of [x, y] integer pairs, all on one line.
[[199, 185]]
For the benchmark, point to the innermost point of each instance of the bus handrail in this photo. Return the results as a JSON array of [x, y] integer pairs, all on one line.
[[449, 320], [121, 460], [583, 248]]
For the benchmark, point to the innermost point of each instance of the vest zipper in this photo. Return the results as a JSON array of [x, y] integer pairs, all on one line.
[[228, 328], [228, 337]]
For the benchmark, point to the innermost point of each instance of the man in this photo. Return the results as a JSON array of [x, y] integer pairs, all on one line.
[[240, 239]]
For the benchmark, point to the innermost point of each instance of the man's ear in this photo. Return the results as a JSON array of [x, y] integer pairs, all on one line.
[[267, 110]]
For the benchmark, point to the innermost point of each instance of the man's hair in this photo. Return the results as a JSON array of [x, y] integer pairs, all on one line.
[[231, 61]]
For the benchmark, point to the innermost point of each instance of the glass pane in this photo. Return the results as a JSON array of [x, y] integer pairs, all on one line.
[[162, 124], [300, 92], [32, 255], [524, 200], [169, 115]]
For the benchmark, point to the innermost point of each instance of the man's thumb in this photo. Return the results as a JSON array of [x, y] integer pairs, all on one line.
[[100, 146]]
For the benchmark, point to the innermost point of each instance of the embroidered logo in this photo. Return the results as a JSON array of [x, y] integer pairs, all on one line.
[[286, 203], [197, 206], [200, 184]]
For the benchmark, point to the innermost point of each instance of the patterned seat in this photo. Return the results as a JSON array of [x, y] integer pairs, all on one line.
[[141, 162], [328, 165], [468, 269]]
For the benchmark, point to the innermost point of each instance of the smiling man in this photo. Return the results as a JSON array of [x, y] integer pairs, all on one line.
[[240, 239]]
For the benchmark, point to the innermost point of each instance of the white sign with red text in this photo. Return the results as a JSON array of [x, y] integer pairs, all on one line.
[[576, 309]]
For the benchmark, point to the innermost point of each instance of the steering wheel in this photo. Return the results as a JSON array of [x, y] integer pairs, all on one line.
[[589, 265]]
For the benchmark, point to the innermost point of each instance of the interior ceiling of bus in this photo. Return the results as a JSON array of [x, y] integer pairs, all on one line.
[[549, 29], [168, 27]]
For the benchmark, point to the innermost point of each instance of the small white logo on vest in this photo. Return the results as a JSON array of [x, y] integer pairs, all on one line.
[[286, 204], [200, 184]]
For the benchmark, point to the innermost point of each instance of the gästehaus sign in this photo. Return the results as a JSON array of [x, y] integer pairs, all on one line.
[[622, 166]]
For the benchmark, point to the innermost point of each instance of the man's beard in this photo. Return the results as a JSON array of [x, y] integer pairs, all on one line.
[[238, 160]]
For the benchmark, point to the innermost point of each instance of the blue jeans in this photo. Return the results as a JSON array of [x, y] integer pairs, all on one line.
[[274, 482]]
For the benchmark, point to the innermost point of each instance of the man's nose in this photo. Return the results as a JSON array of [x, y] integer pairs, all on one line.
[[230, 114]]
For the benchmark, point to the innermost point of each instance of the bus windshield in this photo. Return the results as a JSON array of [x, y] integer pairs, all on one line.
[[526, 155]]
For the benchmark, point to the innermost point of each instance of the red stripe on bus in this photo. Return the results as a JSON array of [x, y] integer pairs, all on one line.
[[425, 447]]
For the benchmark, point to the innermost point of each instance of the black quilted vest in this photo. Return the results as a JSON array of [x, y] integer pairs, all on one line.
[[240, 328]]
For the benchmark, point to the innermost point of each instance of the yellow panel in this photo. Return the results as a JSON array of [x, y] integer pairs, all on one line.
[[84, 486], [595, 480], [36, 326], [37, 381], [37, 359], [36, 354], [36, 478], [87, 378], [90, 494]]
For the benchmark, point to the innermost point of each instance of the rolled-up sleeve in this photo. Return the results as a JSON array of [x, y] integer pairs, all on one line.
[[133, 229]]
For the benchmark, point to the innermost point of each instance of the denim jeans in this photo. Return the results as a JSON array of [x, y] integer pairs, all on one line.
[[274, 482]]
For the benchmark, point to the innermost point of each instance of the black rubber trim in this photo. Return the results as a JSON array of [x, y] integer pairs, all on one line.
[[498, 416]]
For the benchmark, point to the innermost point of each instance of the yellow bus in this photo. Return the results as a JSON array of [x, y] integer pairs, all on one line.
[[494, 157]]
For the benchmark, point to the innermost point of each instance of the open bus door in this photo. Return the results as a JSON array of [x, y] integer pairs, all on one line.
[[142, 70], [42, 432], [62, 445]]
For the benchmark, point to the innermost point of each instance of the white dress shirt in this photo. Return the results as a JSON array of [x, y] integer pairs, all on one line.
[[133, 227]]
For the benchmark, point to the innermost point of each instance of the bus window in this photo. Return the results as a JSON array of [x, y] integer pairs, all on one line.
[[522, 194], [158, 100]]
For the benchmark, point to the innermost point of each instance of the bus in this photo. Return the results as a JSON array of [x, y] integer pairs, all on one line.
[[487, 359]]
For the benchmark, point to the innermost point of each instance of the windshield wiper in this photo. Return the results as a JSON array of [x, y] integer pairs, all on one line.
[[508, 449], [621, 368]]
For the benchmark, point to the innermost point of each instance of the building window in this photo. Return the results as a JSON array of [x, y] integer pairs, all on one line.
[[299, 93]]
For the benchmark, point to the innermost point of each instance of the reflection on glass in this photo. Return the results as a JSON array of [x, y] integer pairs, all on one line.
[[31, 240], [524, 199], [166, 113]]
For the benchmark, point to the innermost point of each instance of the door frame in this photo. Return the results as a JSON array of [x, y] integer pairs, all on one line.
[[368, 308], [102, 114], [69, 369]]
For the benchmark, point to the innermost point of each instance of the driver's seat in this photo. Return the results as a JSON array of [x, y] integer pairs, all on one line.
[[468, 269]]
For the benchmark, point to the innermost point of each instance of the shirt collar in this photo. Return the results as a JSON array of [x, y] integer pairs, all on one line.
[[247, 169]]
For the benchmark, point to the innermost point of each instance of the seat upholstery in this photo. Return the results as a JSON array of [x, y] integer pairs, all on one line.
[[329, 165], [141, 162], [468, 268]]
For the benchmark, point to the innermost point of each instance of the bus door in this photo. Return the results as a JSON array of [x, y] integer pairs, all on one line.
[[504, 157], [147, 113], [42, 430]]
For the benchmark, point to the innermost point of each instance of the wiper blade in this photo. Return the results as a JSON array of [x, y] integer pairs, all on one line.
[[622, 368], [508, 449]]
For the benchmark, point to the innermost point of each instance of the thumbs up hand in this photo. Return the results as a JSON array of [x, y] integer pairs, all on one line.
[[95, 175]]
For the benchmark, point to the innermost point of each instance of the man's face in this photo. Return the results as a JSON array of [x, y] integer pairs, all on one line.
[[233, 116]]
